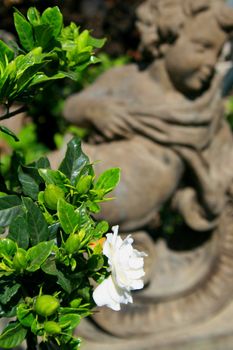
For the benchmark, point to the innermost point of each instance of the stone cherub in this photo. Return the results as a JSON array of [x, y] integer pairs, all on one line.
[[164, 125]]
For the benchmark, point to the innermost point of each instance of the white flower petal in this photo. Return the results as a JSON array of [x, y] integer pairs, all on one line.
[[136, 263], [137, 284], [126, 265], [106, 295]]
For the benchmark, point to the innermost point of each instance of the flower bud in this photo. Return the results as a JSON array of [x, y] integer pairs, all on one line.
[[100, 242], [46, 305], [72, 243], [52, 194], [84, 184], [20, 260], [52, 327]]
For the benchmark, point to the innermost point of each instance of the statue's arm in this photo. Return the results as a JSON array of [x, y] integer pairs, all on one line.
[[102, 107]]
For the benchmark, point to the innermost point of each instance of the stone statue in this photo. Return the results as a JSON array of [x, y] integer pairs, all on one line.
[[164, 126], [158, 122]]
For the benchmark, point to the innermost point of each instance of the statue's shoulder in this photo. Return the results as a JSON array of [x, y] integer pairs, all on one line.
[[119, 73]]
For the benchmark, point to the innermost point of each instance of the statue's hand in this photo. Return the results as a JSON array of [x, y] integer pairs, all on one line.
[[109, 119]]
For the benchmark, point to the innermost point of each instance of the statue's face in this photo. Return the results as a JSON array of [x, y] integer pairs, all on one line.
[[191, 60]]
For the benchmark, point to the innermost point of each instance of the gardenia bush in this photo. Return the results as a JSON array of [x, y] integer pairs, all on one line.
[[57, 262]]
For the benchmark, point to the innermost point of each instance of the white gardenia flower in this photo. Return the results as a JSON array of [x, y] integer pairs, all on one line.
[[126, 266]]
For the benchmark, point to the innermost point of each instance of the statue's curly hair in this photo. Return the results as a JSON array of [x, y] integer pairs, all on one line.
[[160, 22]]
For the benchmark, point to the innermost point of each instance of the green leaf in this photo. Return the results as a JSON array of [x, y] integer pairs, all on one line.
[[74, 160], [69, 218], [49, 266], [95, 262], [108, 180], [28, 182], [10, 206], [37, 255], [42, 163], [64, 282], [54, 177], [6, 54], [37, 224], [7, 247], [101, 228], [24, 30], [19, 232], [25, 315], [53, 228], [83, 39], [42, 78], [54, 18], [7, 131], [8, 290], [43, 35], [98, 43], [93, 207], [28, 74], [72, 320], [33, 16], [12, 336]]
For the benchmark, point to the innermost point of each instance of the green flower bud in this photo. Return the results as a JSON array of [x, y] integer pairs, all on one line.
[[52, 327], [52, 194], [20, 261], [46, 305], [84, 184], [72, 244], [75, 302]]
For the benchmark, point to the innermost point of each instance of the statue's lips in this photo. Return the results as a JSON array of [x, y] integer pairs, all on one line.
[[205, 75]]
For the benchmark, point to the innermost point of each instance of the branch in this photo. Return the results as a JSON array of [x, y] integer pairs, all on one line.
[[13, 113]]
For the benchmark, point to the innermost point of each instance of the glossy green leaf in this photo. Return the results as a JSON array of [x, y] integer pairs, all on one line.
[[24, 30], [108, 180], [74, 160], [10, 206], [42, 78], [6, 53], [37, 255], [43, 36], [69, 218], [28, 182], [54, 177], [53, 229], [19, 232], [54, 18], [33, 16], [37, 224], [12, 336]]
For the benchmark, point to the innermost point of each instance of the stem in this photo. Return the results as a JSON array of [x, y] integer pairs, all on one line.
[[15, 112], [31, 340]]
